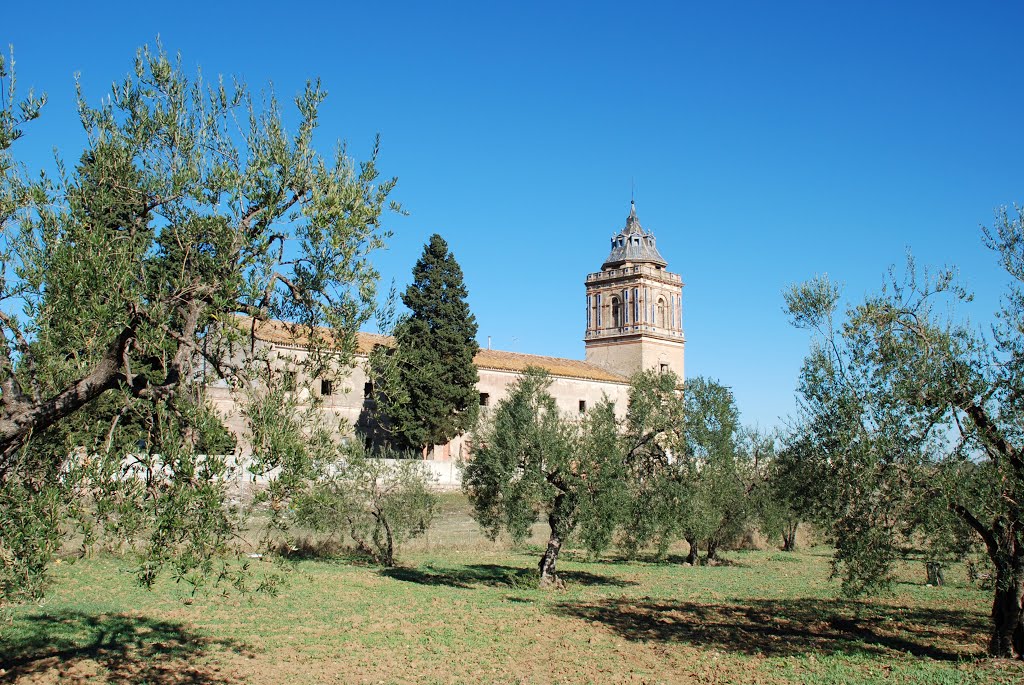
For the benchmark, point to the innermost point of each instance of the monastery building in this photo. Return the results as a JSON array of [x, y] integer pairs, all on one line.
[[634, 321]]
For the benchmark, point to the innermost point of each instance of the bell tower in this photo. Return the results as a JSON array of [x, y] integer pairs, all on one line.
[[635, 307]]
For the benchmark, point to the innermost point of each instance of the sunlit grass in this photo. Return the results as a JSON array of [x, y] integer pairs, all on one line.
[[471, 612]]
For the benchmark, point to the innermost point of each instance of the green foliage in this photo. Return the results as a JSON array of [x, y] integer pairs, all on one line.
[[603, 487], [870, 448], [134, 279], [690, 478], [379, 501], [718, 511], [292, 444], [787, 491], [658, 480], [527, 441], [431, 396], [30, 516], [913, 421], [532, 460]]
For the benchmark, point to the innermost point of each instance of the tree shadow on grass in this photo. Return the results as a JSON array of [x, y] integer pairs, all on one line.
[[680, 560], [652, 558], [73, 645], [494, 575], [593, 579], [790, 627]]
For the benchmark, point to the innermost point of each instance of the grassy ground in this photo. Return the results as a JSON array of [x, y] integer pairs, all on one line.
[[462, 609]]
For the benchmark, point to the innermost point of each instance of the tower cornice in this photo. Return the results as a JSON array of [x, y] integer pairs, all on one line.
[[633, 272]]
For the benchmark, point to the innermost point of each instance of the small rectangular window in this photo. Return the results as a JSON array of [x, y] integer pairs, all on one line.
[[326, 387], [485, 399], [583, 406], [664, 368]]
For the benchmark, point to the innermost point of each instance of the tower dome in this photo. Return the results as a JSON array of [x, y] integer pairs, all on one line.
[[633, 245]]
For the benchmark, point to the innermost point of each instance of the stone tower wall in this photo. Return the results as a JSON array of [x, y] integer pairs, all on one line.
[[644, 334]]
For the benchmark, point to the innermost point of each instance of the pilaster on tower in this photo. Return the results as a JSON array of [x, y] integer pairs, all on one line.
[[635, 307]]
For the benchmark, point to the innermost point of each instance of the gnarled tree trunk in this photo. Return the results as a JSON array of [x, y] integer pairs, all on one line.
[[1007, 555], [936, 577], [560, 524], [384, 540], [693, 558], [548, 576], [1008, 608], [21, 416]]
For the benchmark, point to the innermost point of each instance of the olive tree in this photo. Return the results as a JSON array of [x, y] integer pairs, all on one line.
[[140, 273], [719, 508], [659, 477], [689, 478], [787, 488], [531, 460], [905, 404], [379, 501]]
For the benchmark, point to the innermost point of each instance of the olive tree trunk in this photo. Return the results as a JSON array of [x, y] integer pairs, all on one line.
[[559, 521], [933, 570], [1008, 608], [384, 540], [22, 415], [693, 558], [789, 536], [1002, 542], [548, 575]]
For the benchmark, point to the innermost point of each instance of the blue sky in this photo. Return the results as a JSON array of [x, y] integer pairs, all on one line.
[[768, 142]]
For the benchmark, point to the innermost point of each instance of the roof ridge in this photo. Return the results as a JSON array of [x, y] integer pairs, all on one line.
[[279, 332]]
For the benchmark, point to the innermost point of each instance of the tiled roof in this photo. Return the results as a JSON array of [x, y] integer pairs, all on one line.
[[283, 333], [295, 335], [571, 368]]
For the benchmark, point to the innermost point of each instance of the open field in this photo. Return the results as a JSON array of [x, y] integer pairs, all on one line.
[[471, 614]]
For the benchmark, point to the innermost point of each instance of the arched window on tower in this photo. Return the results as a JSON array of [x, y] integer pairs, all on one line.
[[616, 313], [661, 313]]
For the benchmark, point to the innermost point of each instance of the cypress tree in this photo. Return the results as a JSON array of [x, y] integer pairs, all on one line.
[[435, 345]]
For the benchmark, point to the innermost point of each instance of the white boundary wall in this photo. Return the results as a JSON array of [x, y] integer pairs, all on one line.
[[447, 475]]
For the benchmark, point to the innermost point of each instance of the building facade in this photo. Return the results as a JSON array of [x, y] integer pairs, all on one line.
[[633, 322]]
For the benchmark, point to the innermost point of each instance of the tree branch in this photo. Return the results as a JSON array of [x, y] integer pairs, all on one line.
[[20, 420], [11, 383], [995, 442], [991, 543]]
